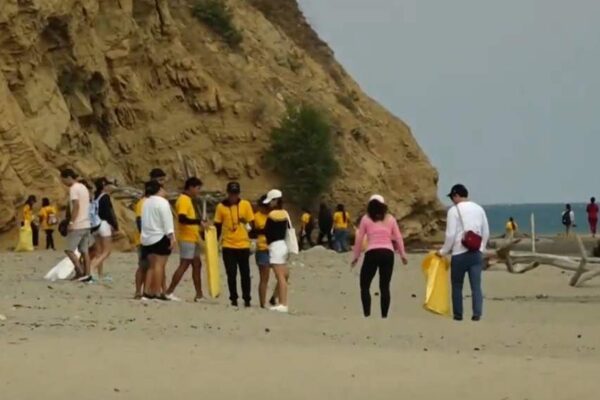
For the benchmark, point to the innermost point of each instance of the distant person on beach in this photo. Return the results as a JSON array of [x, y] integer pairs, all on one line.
[[108, 224], [467, 234], [592, 213], [511, 228], [48, 221], [29, 220], [189, 226], [233, 217], [158, 239], [278, 223], [307, 225], [325, 226], [341, 224], [568, 219], [384, 237], [79, 236]]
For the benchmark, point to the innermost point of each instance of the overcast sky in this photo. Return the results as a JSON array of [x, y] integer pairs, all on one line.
[[503, 96]]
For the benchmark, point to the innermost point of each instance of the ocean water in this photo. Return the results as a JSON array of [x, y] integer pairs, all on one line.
[[548, 217]]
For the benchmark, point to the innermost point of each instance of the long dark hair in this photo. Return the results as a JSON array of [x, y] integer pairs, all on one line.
[[45, 202], [342, 209], [376, 210], [31, 200], [100, 184]]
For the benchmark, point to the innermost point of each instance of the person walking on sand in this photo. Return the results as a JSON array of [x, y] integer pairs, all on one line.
[[307, 225], [384, 237], [189, 225], [511, 228], [568, 219], [592, 214], [467, 234], [29, 220], [276, 230], [325, 226], [262, 249], [108, 224], [48, 221], [158, 239], [341, 219], [233, 217], [79, 236]]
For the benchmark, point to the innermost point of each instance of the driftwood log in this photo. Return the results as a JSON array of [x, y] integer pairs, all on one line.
[[584, 268]]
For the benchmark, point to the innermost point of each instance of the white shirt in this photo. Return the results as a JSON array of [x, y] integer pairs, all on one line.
[[157, 220], [80, 194], [474, 219]]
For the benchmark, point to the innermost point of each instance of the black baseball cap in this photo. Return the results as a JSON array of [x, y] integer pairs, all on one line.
[[233, 188], [157, 173], [458, 190]]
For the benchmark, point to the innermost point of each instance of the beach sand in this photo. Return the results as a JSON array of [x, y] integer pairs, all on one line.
[[540, 339]]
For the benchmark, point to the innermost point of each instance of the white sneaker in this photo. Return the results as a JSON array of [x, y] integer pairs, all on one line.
[[280, 308], [172, 297]]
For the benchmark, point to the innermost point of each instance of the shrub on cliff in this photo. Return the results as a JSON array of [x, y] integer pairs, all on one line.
[[218, 17], [302, 153]]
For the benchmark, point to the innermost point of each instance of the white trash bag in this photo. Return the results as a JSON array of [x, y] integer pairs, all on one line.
[[65, 269]]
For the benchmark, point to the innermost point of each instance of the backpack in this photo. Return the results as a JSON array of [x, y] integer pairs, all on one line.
[[566, 218], [52, 219], [95, 220]]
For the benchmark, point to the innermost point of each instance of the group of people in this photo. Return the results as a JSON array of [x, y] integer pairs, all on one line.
[[332, 226]]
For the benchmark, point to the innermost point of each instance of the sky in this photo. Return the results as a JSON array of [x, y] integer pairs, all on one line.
[[503, 96]]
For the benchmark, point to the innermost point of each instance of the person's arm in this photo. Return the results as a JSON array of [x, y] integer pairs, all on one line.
[[184, 220], [451, 227], [485, 233], [138, 223], [268, 231], [398, 240], [219, 221], [74, 211], [106, 212], [358, 240]]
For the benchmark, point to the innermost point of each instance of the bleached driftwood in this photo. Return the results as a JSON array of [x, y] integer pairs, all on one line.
[[519, 262]]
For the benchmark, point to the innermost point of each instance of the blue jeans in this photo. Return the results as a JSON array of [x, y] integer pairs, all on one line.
[[472, 264], [340, 240]]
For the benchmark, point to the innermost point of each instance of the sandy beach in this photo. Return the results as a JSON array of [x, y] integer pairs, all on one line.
[[538, 340]]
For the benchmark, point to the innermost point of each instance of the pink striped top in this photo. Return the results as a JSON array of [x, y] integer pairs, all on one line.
[[380, 235]]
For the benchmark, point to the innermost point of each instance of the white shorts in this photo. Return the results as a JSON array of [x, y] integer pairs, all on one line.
[[104, 230], [278, 253]]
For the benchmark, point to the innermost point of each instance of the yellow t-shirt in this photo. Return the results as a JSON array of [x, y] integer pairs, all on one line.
[[27, 214], [138, 214], [260, 221], [509, 227], [45, 214], [305, 219], [338, 220], [186, 233], [234, 219]]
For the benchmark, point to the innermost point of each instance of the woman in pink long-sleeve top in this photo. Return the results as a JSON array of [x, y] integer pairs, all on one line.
[[384, 237]]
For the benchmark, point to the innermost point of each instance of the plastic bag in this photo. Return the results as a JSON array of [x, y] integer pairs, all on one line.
[[25, 242], [437, 294], [63, 270]]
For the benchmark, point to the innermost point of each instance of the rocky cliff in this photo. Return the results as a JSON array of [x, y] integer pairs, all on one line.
[[115, 87]]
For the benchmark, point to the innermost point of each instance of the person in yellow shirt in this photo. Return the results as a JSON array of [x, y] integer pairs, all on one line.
[[511, 228], [341, 222], [48, 220], [189, 224], [307, 224], [28, 219], [233, 217], [262, 249]]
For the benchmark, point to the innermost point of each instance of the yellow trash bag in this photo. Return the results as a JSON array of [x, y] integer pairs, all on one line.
[[25, 242], [437, 296]]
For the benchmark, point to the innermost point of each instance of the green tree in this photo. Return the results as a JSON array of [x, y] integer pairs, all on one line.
[[302, 153]]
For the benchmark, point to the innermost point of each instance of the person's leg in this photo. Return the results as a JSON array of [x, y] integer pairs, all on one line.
[[149, 286], [178, 274], [160, 274], [281, 273], [475, 268], [309, 234], [197, 277], [73, 243], [243, 261], [264, 271], [230, 261], [367, 273], [104, 248], [48, 239], [330, 241], [386, 268], [457, 276], [336, 241], [320, 238], [140, 273], [344, 240], [35, 234], [51, 236]]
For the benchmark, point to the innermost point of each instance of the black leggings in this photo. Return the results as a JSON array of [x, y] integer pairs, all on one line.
[[234, 259], [50, 239], [382, 259]]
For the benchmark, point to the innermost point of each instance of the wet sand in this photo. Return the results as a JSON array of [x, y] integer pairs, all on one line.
[[539, 339]]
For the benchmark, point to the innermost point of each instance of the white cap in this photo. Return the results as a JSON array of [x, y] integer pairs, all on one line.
[[377, 197], [273, 194]]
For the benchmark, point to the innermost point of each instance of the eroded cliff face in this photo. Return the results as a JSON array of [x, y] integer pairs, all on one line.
[[116, 87]]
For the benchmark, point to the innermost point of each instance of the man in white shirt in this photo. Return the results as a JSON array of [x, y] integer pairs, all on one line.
[[157, 237], [79, 235], [465, 218]]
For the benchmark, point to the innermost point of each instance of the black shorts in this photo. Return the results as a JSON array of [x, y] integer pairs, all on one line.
[[160, 248]]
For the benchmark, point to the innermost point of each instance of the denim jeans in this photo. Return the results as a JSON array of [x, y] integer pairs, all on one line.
[[472, 264], [340, 240]]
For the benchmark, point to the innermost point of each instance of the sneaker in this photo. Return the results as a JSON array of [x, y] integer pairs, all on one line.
[[457, 318], [280, 308], [234, 303], [162, 297], [475, 318], [247, 304], [172, 297], [148, 297], [85, 279]]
